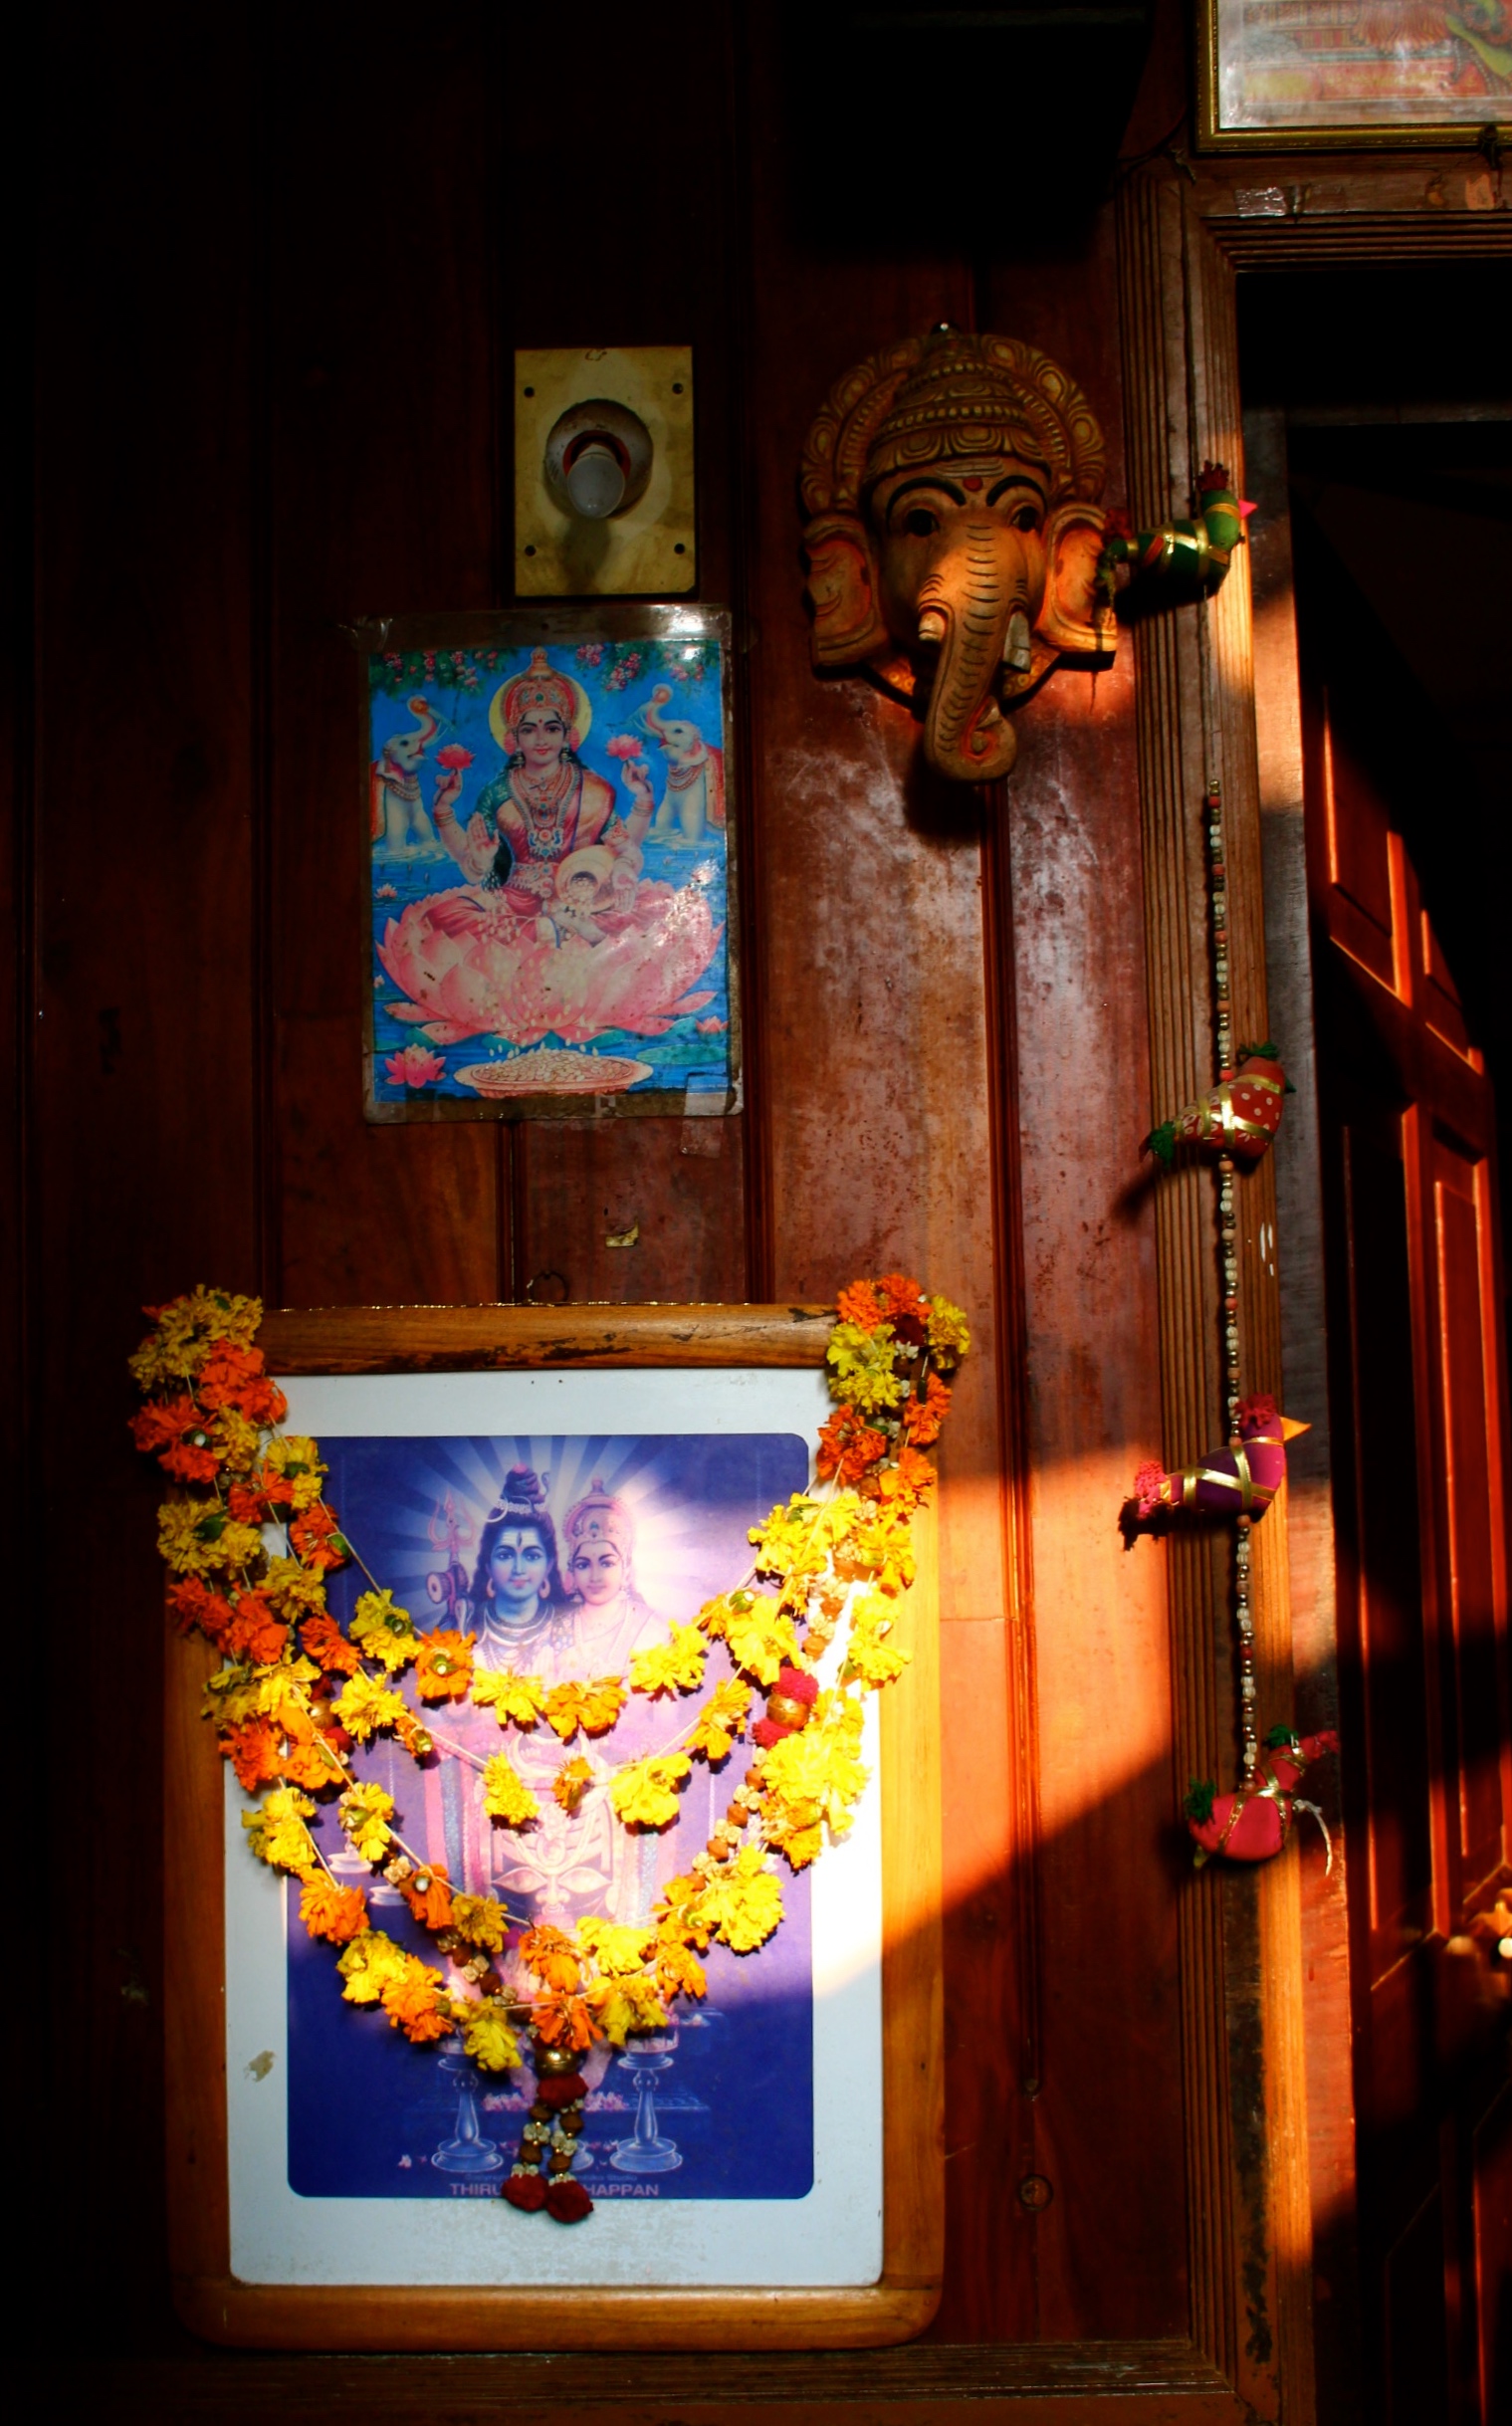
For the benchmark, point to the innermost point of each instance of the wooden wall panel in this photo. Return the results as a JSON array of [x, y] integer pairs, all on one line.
[[1104, 1685], [614, 205], [377, 339], [671, 1188], [143, 1052]]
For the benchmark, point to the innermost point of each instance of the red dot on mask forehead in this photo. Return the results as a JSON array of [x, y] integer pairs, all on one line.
[[972, 479]]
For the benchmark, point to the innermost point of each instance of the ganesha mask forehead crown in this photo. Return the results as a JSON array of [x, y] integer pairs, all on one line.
[[951, 484]]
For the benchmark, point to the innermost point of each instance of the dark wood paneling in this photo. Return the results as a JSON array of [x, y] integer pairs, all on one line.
[[616, 214], [377, 215], [143, 1056]]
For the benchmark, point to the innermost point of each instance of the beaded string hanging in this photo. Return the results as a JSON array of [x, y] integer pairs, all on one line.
[[1235, 1122], [1229, 1237]]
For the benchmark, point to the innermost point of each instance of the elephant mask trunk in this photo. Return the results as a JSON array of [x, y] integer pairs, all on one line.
[[974, 591]]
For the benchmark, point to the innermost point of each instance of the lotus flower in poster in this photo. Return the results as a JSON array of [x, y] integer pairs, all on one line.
[[469, 971], [414, 1067]]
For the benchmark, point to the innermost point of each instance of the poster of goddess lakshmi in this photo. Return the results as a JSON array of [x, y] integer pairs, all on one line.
[[550, 846], [1331, 65], [562, 1558]]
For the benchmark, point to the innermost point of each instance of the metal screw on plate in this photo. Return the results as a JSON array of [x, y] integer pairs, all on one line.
[[1034, 2192]]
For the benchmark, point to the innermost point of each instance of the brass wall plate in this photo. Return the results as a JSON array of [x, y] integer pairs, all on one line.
[[649, 550]]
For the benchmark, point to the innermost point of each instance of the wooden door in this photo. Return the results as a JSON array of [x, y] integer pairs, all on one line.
[[1418, 1403]]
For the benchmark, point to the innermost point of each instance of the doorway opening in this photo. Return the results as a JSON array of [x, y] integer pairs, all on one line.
[[1379, 449]]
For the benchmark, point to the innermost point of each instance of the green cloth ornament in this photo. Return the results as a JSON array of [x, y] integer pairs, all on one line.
[[1193, 557]]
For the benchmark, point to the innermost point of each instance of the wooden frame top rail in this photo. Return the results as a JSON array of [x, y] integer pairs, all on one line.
[[444, 1339]]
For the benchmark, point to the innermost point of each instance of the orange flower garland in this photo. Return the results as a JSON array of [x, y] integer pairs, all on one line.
[[293, 1694]]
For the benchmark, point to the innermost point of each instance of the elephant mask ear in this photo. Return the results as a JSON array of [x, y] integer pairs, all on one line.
[[1070, 619], [842, 590]]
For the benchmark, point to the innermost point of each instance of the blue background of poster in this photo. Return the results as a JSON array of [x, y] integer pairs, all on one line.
[[367, 2111]]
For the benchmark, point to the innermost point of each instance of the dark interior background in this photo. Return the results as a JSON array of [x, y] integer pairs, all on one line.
[[1397, 386]]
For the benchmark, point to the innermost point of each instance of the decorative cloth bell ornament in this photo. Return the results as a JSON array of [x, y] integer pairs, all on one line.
[[1239, 1117], [1253, 1824], [1239, 1481]]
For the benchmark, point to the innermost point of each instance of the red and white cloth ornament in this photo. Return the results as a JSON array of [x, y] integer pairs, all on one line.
[[1239, 1117], [1238, 1480], [1253, 1824]]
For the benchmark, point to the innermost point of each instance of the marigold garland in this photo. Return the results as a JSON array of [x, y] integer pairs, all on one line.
[[293, 1694]]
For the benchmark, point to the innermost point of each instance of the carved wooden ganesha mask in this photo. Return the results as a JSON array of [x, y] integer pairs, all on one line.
[[954, 535]]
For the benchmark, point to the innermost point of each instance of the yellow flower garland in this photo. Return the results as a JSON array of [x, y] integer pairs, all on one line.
[[293, 1692]]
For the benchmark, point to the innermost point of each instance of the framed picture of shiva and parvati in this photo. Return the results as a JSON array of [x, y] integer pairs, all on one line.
[[549, 834]]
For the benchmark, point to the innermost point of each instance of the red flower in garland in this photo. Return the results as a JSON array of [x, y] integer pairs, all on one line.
[[255, 1630], [324, 1641], [174, 1431], [248, 1505], [233, 1376], [857, 1303], [316, 1539], [923, 1417], [194, 1604], [848, 1445], [336, 1912], [253, 1748], [429, 1897], [444, 1667]]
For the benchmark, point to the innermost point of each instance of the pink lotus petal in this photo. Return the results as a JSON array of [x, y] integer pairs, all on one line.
[[454, 756]]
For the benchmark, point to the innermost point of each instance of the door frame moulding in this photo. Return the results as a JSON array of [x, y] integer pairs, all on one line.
[[1184, 235]]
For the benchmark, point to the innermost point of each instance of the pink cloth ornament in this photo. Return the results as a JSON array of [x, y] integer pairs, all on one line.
[[1252, 1823], [1228, 1481]]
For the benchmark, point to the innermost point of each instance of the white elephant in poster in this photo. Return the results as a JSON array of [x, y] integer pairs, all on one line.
[[693, 802], [402, 829]]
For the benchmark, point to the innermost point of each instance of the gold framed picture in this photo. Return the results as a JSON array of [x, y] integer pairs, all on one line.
[[1352, 75], [766, 2169]]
